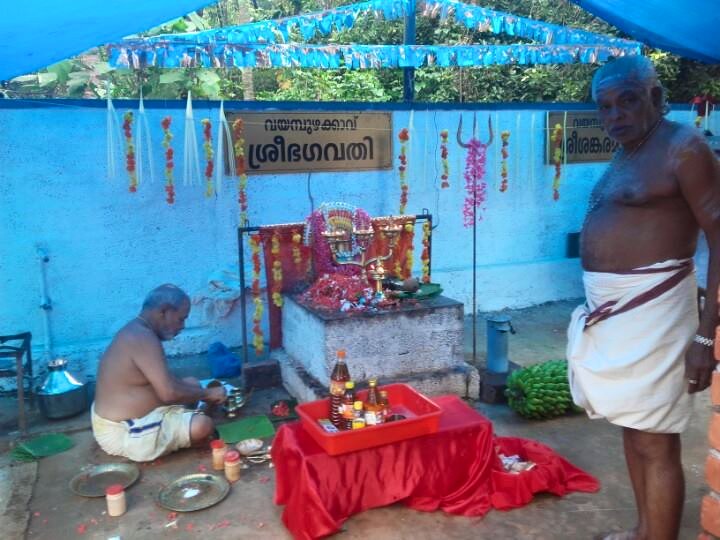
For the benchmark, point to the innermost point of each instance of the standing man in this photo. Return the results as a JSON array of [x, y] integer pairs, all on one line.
[[637, 348], [138, 411]]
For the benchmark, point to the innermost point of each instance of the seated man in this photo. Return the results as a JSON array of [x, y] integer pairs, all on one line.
[[138, 411]]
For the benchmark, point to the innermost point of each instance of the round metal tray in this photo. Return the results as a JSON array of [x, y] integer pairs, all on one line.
[[193, 492], [93, 481]]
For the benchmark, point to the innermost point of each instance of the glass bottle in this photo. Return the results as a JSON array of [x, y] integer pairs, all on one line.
[[340, 375], [385, 405], [347, 405], [373, 406], [358, 415]]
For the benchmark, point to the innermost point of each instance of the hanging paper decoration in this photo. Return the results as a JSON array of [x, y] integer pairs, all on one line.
[[505, 137], [297, 239], [130, 151], [277, 273], [404, 136], [475, 185], [191, 161], [223, 129], [258, 339], [143, 143], [169, 160], [207, 147], [409, 262], [557, 140], [425, 256], [445, 177], [113, 127], [239, 148]]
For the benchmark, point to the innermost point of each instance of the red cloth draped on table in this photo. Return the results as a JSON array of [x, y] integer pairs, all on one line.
[[295, 260], [456, 469]]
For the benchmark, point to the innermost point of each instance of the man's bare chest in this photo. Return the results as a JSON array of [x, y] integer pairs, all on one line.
[[634, 183]]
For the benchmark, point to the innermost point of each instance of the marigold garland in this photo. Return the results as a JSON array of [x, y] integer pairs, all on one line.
[[404, 136], [409, 228], [209, 166], [557, 140], [445, 177], [425, 256], [258, 340], [505, 136], [169, 164], [239, 149], [277, 274], [475, 185], [698, 121], [130, 152], [297, 239]]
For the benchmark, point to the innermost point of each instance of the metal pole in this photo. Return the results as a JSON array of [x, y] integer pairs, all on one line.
[[243, 315], [474, 278], [409, 39]]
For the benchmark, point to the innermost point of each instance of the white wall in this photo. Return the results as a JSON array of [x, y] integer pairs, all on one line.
[[108, 247]]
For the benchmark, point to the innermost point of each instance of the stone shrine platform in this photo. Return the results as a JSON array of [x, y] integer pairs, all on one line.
[[419, 342]]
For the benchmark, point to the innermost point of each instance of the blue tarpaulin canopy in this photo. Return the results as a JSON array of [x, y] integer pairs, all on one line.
[[37, 33], [688, 28]]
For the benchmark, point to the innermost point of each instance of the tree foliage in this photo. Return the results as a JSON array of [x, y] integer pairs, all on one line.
[[89, 75]]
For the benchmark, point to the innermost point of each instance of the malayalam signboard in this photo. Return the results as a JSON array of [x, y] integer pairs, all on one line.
[[292, 142], [585, 139]]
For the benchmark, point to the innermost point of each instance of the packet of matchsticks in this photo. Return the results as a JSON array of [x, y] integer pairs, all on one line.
[[327, 425]]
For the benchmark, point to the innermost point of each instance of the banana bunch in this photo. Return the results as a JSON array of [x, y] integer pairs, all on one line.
[[540, 391]]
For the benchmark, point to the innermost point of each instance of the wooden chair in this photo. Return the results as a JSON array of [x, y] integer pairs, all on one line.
[[16, 347]]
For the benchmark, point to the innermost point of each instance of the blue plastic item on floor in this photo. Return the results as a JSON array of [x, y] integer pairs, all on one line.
[[223, 363]]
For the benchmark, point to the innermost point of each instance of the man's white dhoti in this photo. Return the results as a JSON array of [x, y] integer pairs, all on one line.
[[626, 346]]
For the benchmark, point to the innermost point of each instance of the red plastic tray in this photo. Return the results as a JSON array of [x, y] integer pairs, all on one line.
[[422, 418]]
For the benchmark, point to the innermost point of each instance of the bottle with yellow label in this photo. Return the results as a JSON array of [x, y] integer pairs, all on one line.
[[358, 415]]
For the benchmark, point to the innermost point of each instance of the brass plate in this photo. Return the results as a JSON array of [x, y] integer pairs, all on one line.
[[93, 481], [193, 492]]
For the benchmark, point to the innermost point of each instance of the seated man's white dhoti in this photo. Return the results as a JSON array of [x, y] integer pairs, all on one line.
[[161, 431], [626, 346]]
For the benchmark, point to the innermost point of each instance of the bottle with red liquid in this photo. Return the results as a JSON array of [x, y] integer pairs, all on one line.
[[373, 405], [348, 404], [340, 375]]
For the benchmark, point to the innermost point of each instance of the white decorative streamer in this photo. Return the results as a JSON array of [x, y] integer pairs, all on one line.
[[533, 134], [223, 133], [113, 140], [516, 150], [143, 132], [190, 157]]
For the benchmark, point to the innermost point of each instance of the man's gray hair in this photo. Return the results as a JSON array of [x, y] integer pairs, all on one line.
[[634, 69], [165, 296]]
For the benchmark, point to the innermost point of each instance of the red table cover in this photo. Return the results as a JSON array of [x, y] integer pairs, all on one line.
[[456, 469]]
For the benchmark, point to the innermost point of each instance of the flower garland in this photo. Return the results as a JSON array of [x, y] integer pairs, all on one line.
[[258, 340], [130, 152], [404, 136], [296, 253], [475, 186], [239, 149], [505, 136], [698, 121], [409, 228], [207, 146], [445, 177], [277, 273], [425, 257], [557, 139], [169, 164]]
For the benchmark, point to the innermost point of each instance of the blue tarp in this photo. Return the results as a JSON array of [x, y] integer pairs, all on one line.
[[37, 33], [688, 28]]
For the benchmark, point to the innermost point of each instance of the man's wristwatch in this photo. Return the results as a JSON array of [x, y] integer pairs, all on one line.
[[703, 340]]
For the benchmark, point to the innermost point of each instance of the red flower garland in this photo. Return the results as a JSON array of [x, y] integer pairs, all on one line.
[[557, 140], [425, 257], [258, 340], [475, 186], [207, 146], [239, 149], [130, 151], [404, 136], [444, 159], [169, 164], [505, 136]]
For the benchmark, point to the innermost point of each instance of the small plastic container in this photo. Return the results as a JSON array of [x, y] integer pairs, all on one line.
[[115, 497], [232, 465], [219, 448]]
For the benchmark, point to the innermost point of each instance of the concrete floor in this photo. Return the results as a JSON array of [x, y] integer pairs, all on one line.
[[53, 512]]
